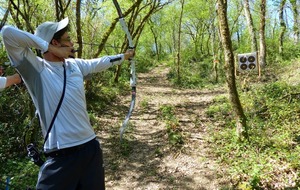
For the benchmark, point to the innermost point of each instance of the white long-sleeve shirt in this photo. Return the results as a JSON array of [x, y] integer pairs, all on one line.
[[2, 83], [44, 80]]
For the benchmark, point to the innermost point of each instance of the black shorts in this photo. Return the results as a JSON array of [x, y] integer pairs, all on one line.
[[78, 170]]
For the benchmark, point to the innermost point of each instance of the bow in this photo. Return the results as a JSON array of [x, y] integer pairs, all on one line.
[[132, 68]]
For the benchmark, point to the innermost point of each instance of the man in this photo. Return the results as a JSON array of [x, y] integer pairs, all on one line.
[[74, 157], [9, 81]]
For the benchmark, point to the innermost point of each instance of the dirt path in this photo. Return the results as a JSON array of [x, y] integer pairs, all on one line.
[[145, 159]]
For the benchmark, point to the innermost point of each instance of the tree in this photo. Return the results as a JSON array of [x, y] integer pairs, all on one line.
[[139, 13], [22, 12], [155, 38], [262, 41], [282, 26], [61, 7], [241, 124], [178, 56], [78, 27], [296, 20], [250, 26], [214, 43]]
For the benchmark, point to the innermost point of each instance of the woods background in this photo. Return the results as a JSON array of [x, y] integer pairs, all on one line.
[[199, 40]]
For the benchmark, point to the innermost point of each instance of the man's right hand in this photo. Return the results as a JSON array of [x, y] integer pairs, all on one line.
[[61, 52]]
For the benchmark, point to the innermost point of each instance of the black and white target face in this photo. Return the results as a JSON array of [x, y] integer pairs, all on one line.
[[247, 61], [243, 59], [252, 66], [243, 66], [243, 63], [251, 59]]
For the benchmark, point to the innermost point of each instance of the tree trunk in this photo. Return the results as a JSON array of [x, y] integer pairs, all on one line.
[[296, 20], [61, 7], [282, 27], [78, 28], [179, 42], [262, 41], [250, 26], [155, 38], [241, 124], [213, 43]]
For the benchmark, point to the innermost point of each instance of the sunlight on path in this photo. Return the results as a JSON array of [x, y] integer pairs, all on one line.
[[152, 163]]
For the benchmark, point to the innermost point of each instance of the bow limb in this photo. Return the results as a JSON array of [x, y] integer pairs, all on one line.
[[132, 68]]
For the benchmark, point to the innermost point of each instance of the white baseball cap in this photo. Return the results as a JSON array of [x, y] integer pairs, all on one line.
[[47, 30]]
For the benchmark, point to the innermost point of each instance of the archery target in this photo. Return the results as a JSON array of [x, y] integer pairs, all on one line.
[[247, 61]]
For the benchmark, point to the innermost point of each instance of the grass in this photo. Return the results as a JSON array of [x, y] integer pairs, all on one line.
[[271, 159], [168, 115]]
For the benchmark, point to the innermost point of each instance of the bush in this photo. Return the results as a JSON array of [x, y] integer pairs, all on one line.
[[270, 159]]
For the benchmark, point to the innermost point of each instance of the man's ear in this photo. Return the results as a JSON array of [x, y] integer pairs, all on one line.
[[54, 42]]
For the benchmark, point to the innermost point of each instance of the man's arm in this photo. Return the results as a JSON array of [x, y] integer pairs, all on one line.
[[18, 44], [13, 79], [88, 66], [9, 81]]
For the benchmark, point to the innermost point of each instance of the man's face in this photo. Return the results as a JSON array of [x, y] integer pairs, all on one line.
[[65, 40]]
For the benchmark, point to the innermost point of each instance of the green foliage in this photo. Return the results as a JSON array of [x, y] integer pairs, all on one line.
[[271, 109], [145, 104], [271, 157], [175, 136], [13, 120], [167, 112], [126, 147], [102, 90], [145, 61], [22, 174], [290, 50], [194, 74], [15, 107], [221, 107]]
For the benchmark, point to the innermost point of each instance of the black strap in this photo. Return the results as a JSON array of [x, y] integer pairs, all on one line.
[[58, 106]]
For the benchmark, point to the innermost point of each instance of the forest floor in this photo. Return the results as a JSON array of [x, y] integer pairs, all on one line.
[[145, 159]]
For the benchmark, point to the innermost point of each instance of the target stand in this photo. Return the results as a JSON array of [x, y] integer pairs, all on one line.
[[248, 63]]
